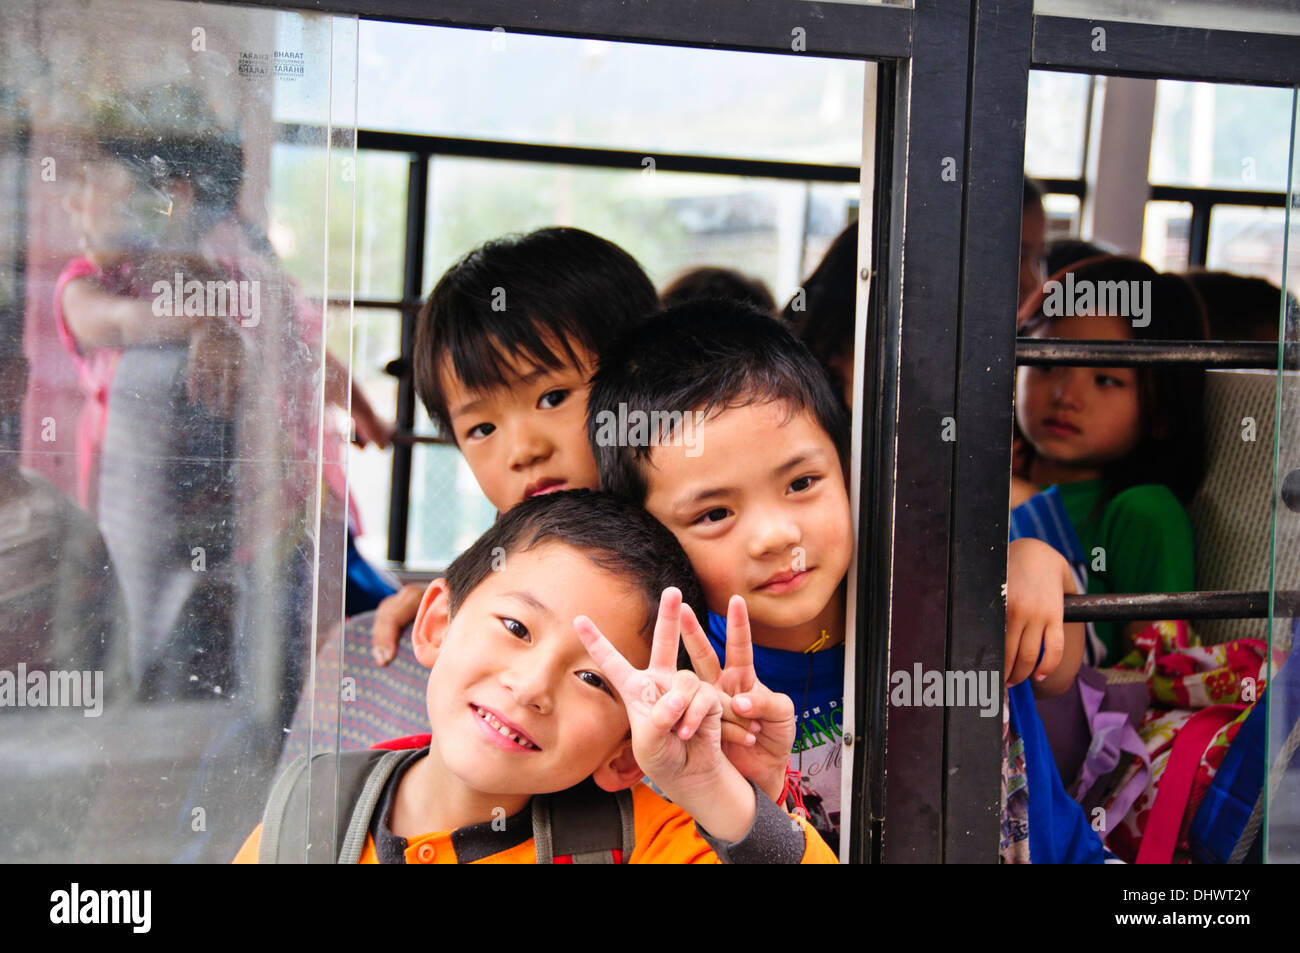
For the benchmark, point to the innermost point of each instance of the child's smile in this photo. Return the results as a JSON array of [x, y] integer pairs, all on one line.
[[516, 705], [762, 513]]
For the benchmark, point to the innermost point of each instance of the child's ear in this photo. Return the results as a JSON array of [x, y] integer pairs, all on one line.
[[431, 622], [619, 772]]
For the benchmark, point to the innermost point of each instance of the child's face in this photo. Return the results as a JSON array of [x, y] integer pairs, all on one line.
[[102, 205], [528, 438], [762, 512], [510, 657], [1081, 417]]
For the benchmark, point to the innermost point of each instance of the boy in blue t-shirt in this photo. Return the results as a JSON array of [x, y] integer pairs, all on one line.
[[725, 427]]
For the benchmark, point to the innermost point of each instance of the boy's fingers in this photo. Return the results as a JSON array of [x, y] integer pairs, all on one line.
[[666, 712], [740, 640], [736, 735], [698, 646], [1026, 655], [663, 650], [616, 668], [1053, 650], [703, 705]]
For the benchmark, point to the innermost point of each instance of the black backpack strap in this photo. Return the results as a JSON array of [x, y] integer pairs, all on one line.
[[585, 824], [291, 836]]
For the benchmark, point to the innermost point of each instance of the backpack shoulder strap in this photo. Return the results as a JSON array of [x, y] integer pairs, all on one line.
[[584, 825], [292, 834]]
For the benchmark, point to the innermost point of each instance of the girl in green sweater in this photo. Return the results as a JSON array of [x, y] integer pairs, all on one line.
[[1124, 445]]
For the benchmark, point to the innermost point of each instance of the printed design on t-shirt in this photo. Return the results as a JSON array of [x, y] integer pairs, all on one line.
[[818, 748], [1014, 846]]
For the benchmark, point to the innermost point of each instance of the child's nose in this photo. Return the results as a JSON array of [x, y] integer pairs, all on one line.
[[527, 447], [1066, 387], [529, 681], [774, 532]]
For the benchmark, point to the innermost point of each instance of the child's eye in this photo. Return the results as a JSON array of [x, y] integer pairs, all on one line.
[[552, 398], [515, 628], [803, 483], [595, 681], [1109, 380], [716, 515], [481, 430]]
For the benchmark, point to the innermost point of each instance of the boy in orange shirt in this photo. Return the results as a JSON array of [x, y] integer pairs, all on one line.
[[527, 697]]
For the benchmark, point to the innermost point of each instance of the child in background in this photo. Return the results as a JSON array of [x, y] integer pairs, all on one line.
[[756, 493], [504, 348], [1123, 446]]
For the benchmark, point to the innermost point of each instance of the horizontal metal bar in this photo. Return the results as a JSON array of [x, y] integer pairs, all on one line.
[[601, 158], [407, 438], [1223, 354], [1120, 607], [1165, 52], [1190, 193], [842, 30]]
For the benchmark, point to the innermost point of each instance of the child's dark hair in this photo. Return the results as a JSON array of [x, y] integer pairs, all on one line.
[[617, 536], [713, 282], [705, 356], [531, 296], [826, 314], [1170, 399]]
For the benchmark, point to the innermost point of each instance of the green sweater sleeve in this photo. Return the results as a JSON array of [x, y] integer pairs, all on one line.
[[1146, 542]]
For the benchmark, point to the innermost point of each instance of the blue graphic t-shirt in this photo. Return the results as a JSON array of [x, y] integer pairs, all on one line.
[[815, 682]]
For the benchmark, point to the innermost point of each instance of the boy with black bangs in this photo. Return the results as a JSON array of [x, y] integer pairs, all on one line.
[[526, 697], [504, 348], [761, 506]]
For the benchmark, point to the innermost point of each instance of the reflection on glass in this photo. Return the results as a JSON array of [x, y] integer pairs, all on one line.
[[169, 498], [1165, 235]]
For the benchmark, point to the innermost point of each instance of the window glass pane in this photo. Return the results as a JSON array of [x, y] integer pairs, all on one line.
[[376, 340], [448, 510], [484, 85], [1056, 124], [1246, 241], [1259, 16], [1221, 136], [171, 513], [1165, 232], [668, 221], [1281, 834], [298, 219], [1062, 215]]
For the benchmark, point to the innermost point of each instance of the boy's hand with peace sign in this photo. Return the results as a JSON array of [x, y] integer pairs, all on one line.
[[676, 724], [761, 754]]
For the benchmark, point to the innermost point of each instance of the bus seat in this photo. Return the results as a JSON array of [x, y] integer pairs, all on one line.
[[1231, 514], [378, 703]]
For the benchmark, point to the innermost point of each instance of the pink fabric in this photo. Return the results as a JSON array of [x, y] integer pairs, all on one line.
[[94, 372]]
